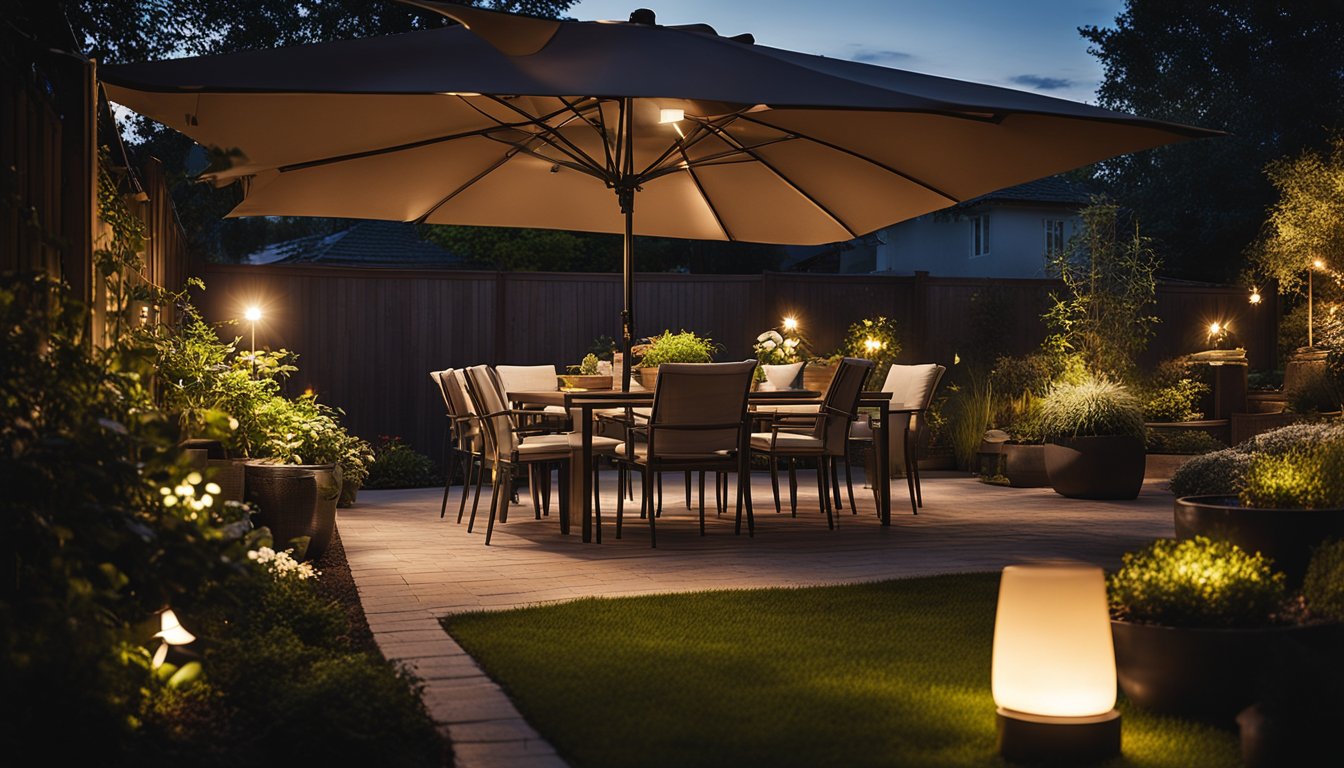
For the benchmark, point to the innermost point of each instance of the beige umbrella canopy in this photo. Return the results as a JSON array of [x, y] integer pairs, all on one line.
[[624, 127]]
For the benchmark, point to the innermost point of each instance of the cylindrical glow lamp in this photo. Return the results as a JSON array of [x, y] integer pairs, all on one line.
[[1053, 674]]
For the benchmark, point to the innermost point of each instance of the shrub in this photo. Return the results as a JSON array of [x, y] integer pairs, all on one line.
[[683, 347], [1182, 441], [398, 465], [1222, 472], [1197, 583], [1311, 477], [967, 412], [1178, 401], [1323, 587], [877, 339], [1091, 407]]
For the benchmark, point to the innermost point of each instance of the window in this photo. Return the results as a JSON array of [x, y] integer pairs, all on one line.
[[1054, 237], [980, 236]]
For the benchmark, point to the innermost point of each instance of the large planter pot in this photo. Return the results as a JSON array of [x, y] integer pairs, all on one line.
[[648, 377], [285, 501], [1207, 674], [779, 377], [322, 513], [1102, 467], [585, 381], [1024, 465], [230, 475], [1271, 739], [1287, 536]]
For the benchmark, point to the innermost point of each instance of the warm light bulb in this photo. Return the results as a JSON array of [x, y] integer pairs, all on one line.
[[872, 345], [671, 115], [1255, 295], [790, 324], [1214, 328], [1318, 264], [172, 631], [253, 314]]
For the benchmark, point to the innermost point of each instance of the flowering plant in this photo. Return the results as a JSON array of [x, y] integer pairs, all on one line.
[[775, 348], [282, 564]]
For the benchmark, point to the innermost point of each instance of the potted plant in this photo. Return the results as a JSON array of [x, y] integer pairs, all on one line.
[[682, 347], [1094, 439], [780, 357], [587, 374], [1197, 623], [1281, 502], [1024, 452]]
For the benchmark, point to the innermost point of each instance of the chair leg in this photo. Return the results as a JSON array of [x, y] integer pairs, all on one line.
[[534, 489], [476, 499], [597, 504], [688, 489], [793, 487], [823, 494], [919, 492], [545, 471], [499, 499], [622, 476], [849, 483], [653, 529], [447, 475], [774, 481], [659, 510], [833, 483], [468, 463], [702, 501]]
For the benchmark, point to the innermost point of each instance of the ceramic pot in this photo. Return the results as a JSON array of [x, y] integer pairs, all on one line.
[[648, 377], [1024, 465], [779, 377], [321, 520], [1102, 467], [285, 501], [1286, 536]]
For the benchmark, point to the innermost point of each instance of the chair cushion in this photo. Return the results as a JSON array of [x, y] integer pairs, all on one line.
[[788, 442], [788, 408], [642, 455], [527, 378], [911, 385], [565, 442]]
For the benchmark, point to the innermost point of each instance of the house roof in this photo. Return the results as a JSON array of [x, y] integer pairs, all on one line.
[[365, 244], [1052, 190]]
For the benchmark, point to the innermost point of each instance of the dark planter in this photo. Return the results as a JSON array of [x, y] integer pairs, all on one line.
[[1271, 739], [1207, 674], [285, 499], [1287, 536], [321, 512], [1024, 465], [1104, 467]]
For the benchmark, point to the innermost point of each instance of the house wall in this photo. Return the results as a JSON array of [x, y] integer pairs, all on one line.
[[942, 244]]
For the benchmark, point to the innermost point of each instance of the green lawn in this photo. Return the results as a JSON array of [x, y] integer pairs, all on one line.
[[894, 673]]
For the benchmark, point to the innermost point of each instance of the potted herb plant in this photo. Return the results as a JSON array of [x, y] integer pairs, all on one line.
[[587, 374], [682, 347], [1093, 430], [1198, 622], [1282, 500]]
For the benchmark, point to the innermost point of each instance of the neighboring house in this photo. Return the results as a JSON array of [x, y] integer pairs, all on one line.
[[1007, 233], [365, 244]]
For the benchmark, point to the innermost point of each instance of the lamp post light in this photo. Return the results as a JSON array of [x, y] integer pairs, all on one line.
[[1053, 668], [252, 315]]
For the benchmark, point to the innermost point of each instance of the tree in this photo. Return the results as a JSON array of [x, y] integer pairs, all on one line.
[[1266, 71], [1307, 222], [1109, 287]]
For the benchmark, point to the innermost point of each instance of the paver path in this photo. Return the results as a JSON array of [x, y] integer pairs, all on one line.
[[411, 567]]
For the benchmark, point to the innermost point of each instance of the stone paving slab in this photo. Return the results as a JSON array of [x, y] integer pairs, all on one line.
[[411, 568]]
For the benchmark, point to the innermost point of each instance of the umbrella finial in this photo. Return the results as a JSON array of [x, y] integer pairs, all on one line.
[[643, 16]]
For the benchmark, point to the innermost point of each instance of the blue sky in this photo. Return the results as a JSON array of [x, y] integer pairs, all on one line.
[[1030, 45]]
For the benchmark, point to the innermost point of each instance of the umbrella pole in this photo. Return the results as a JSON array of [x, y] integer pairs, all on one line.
[[625, 194]]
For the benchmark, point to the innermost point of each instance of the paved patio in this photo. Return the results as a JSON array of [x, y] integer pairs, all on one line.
[[411, 567]]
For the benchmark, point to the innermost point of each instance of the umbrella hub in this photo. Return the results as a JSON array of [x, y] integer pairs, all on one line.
[[643, 16]]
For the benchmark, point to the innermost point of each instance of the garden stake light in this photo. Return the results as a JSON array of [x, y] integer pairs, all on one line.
[[1053, 669], [253, 314]]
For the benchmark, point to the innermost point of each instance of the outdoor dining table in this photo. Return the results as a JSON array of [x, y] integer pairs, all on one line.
[[582, 403]]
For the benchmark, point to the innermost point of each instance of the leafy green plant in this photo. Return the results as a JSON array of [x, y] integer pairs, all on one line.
[[1173, 393], [1323, 586], [1091, 407], [877, 339], [398, 465], [967, 417], [683, 347], [1197, 583], [1311, 477], [588, 366], [1191, 442], [1109, 286], [304, 431]]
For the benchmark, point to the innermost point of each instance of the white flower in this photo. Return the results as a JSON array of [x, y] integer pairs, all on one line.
[[768, 345], [790, 343]]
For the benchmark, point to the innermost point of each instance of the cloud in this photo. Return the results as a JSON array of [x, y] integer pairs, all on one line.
[[876, 56], [1041, 83]]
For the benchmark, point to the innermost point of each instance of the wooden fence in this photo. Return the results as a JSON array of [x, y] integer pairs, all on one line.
[[367, 338]]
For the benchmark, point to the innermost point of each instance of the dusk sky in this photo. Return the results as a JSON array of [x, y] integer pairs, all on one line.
[[1030, 45]]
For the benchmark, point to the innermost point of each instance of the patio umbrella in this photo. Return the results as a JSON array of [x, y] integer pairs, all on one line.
[[620, 127]]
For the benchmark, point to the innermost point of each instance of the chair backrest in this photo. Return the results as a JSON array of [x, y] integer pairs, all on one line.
[[452, 383], [439, 384], [709, 395], [841, 403], [527, 378], [913, 385], [500, 441]]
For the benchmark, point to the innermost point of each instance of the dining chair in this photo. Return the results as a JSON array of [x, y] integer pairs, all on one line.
[[535, 378], [825, 440], [909, 385], [455, 383], [508, 446], [460, 435], [698, 422]]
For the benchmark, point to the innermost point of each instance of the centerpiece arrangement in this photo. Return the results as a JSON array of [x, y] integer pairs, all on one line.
[[683, 347], [780, 352]]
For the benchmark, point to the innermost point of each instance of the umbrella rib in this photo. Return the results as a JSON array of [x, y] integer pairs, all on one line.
[[770, 167], [463, 187], [601, 127], [865, 158], [548, 132], [690, 170]]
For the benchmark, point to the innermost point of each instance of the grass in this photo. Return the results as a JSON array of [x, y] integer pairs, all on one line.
[[888, 674]]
